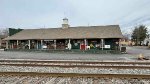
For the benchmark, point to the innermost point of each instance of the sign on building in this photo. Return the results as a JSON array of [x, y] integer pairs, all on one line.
[[107, 46]]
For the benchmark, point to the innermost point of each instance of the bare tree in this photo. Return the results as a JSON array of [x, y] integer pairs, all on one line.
[[4, 32]]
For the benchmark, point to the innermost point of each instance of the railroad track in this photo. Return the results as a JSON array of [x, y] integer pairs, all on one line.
[[70, 78], [75, 75], [72, 72], [81, 64], [75, 62]]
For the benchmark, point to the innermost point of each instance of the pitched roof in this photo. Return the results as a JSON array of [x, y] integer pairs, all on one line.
[[110, 31]]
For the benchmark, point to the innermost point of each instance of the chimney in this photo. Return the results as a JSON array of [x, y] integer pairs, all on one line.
[[65, 24]]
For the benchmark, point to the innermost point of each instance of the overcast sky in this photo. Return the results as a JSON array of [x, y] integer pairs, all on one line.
[[49, 13]]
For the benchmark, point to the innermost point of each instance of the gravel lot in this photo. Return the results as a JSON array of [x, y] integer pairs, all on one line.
[[132, 55], [57, 56]]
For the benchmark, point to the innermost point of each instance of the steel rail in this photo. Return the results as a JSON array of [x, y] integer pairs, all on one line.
[[83, 62], [80, 66], [75, 75]]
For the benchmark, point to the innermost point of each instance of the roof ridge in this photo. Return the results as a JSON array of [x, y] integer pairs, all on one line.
[[75, 27], [97, 26]]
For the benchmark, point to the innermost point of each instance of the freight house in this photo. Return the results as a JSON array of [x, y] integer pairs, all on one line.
[[67, 38]]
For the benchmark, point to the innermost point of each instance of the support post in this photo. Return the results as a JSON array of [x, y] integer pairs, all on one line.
[[41, 44], [69, 40], [55, 44], [17, 44], [69, 45], [37, 47], [12, 46], [85, 43], [7, 44], [29, 44], [102, 42]]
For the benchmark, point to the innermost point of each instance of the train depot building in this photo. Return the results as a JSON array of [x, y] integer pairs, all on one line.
[[67, 38]]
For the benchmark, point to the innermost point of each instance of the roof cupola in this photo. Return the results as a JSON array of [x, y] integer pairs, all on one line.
[[65, 24]]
